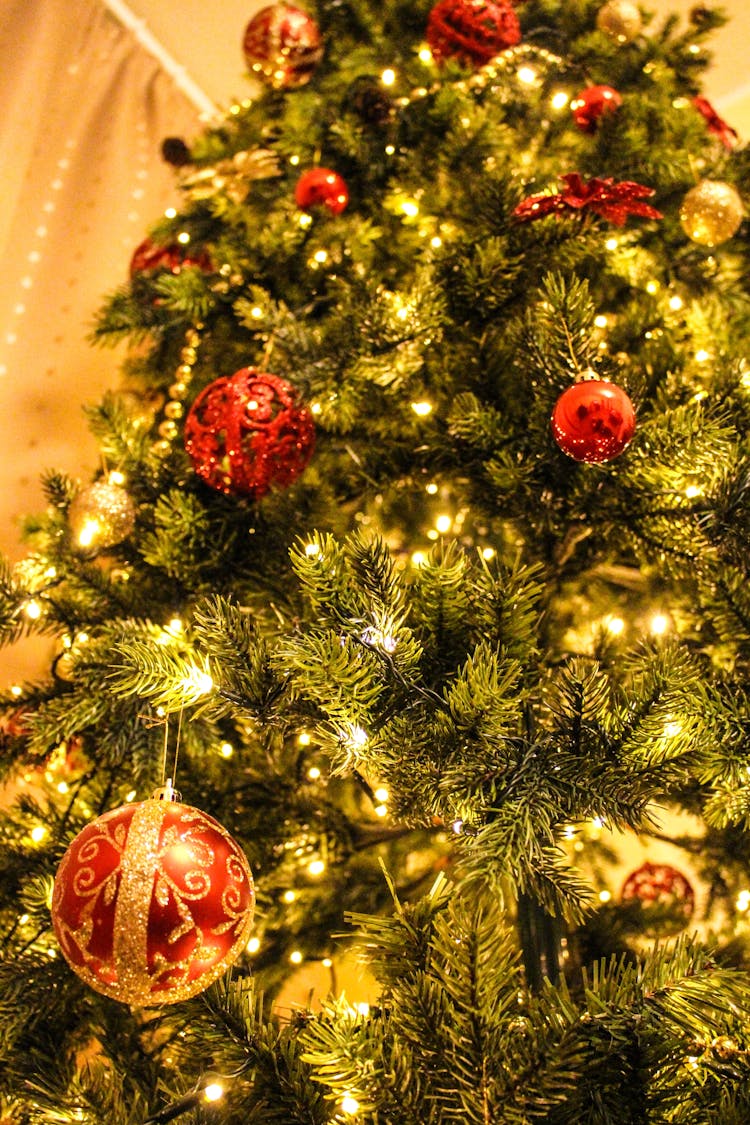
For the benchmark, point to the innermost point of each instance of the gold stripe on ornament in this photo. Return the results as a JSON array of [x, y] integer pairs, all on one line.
[[139, 865]]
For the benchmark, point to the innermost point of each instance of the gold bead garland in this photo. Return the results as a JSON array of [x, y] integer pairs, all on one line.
[[178, 391]]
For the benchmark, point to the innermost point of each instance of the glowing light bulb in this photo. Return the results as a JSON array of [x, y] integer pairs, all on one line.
[[349, 1105], [16, 690], [294, 160], [652, 287], [295, 957], [312, 550], [410, 208], [659, 624], [425, 54], [33, 610], [527, 75], [601, 321], [702, 356], [488, 553], [615, 626], [443, 524], [256, 311], [183, 238], [226, 749], [253, 945], [693, 490], [418, 558], [381, 794], [313, 773], [213, 1092], [171, 213], [327, 963], [381, 810], [321, 256], [436, 242], [388, 77], [196, 682], [38, 832], [422, 409], [560, 99], [288, 896], [604, 896], [317, 867], [131, 795], [675, 303]]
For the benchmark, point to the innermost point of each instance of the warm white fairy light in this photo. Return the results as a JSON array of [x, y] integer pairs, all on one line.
[[488, 553], [742, 902], [381, 810], [256, 312], [349, 1105], [316, 867], [320, 256], [312, 550], [702, 356], [33, 610], [23, 919], [196, 682], [658, 624], [289, 896], [381, 794], [675, 303], [131, 795], [294, 160], [612, 243], [226, 749], [389, 150], [296, 957], [601, 321], [605, 896], [16, 690], [559, 99], [314, 773], [388, 77], [418, 558], [614, 625], [672, 729], [253, 945], [443, 524], [62, 787], [171, 213], [183, 238], [410, 208], [304, 220], [213, 1092], [38, 832], [527, 75], [652, 287], [693, 490], [425, 54]]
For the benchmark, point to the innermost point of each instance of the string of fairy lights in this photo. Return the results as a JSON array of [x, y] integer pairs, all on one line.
[[531, 67]]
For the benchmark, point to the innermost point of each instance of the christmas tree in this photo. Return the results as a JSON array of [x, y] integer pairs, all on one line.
[[410, 598]]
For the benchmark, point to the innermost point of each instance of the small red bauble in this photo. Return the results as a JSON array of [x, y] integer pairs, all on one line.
[[148, 257], [593, 421], [152, 902], [283, 46], [589, 105], [658, 885], [248, 432], [321, 187], [472, 31]]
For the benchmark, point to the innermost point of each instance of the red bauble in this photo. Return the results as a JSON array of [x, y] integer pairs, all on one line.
[[152, 902], [149, 257], [657, 885], [283, 46], [321, 187], [588, 106], [593, 421], [248, 432], [472, 31]]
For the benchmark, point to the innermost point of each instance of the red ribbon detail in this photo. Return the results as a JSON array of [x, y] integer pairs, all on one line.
[[605, 197]]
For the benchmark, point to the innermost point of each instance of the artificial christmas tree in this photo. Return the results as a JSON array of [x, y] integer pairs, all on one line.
[[432, 676]]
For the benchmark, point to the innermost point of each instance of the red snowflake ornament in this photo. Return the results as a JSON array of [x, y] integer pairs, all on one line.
[[472, 31], [247, 433]]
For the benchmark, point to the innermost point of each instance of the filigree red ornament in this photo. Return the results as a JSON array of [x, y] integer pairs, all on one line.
[[593, 421], [717, 126], [321, 187], [606, 197], [148, 257], [152, 902], [589, 105], [283, 46], [472, 31], [248, 432], [658, 885]]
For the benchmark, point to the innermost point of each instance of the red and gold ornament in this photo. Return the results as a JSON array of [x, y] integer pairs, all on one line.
[[248, 432], [472, 31], [609, 198], [589, 105], [593, 421], [660, 886], [152, 902], [283, 46], [321, 187], [149, 256]]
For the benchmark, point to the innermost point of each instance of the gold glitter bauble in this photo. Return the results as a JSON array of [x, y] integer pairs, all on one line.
[[621, 20], [101, 516], [711, 212], [152, 902]]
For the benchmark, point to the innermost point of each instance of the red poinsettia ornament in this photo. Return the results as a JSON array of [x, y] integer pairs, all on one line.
[[149, 256], [606, 197]]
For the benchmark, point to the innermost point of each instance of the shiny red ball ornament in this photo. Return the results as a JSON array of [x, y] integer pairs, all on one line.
[[589, 105], [321, 187], [593, 421], [148, 257], [152, 902], [664, 890], [283, 46], [248, 432], [472, 31]]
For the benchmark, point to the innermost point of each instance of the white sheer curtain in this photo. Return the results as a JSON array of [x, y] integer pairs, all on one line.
[[84, 111]]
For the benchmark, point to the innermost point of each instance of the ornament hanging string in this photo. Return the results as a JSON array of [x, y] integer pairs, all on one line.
[[168, 782]]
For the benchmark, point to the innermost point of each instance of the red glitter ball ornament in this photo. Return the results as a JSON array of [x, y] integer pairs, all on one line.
[[148, 257], [321, 187], [593, 421], [662, 888], [589, 105], [282, 45], [472, 31], [152, 902], [248, 432]]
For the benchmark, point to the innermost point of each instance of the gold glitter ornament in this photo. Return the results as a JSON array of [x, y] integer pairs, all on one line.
[[711, 212], [152, 902], [621, 20], [101, 516]]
